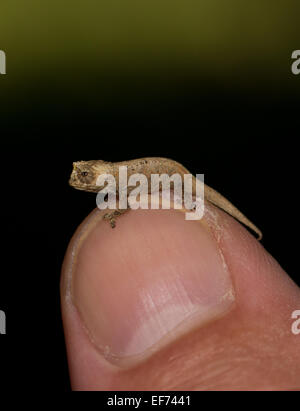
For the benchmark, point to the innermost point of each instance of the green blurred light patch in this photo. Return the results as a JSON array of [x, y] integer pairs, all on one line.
[[243, 43]]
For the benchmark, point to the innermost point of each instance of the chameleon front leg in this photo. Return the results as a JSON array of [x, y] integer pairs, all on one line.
[[113, 215]]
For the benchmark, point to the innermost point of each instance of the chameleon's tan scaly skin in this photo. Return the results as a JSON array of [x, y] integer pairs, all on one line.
[[85, 174]]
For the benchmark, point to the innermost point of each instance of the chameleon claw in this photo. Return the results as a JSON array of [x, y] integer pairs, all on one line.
[[111, 218]]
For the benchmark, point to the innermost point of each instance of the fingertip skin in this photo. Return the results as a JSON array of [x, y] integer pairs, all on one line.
[[251, 347]]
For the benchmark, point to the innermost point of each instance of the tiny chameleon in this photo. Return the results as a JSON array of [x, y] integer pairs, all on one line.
[[85, 174]]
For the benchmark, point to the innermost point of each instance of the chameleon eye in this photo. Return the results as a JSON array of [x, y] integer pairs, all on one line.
[[85, 176]]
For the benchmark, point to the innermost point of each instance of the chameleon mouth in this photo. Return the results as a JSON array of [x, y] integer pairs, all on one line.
[[74, 185], [90, 188]]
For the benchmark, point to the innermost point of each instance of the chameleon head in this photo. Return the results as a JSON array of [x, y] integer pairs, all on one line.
[[85, 173]]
